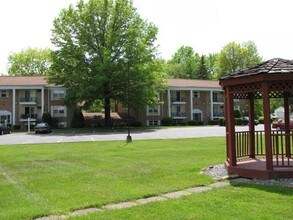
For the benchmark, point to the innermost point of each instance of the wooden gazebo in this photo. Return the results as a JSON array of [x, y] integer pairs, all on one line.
[[260, 154]]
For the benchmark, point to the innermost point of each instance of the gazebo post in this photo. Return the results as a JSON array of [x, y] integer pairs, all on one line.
[[287, 123], [230, 128], [251, 126], [267, 124]]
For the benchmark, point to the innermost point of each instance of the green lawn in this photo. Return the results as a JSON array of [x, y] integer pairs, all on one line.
[[43, 179], [243, 201], [46, 179]]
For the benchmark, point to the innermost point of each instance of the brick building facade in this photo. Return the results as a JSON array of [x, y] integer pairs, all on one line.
[[186, 100], [24, 99]]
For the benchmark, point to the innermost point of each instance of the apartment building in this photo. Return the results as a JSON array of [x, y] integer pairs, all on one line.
[[26, 98], [186, 100]]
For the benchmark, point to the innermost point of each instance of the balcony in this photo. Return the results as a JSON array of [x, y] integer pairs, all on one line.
[[32, 117], [178, 100], [178, 115], [218, 99], [28, 100]]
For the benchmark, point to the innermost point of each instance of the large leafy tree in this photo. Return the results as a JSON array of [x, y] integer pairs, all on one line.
[[210, 61], [234, 57], [30, 62], [183, 64], [105, 51]]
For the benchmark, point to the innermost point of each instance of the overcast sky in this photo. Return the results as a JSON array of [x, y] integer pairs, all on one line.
[[205, 25]]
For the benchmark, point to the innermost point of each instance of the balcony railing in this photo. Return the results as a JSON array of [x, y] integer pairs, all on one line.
[[178, 99], [217, 99], [279, 148], [178, 114], [28, 99], [26, 116]]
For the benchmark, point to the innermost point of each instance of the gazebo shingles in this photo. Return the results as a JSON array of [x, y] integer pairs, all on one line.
[[273, 66]]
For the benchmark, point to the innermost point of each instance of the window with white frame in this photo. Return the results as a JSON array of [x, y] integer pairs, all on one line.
[[58, 94], [153, 111], [58, 111], [3, 93], [196, 94], [153, 122], [62, 124]]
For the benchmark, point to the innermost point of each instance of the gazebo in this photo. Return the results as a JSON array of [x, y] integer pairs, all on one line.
[[260, 154]]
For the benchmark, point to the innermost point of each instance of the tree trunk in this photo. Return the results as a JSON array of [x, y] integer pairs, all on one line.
[[107, 112], [107, 103]]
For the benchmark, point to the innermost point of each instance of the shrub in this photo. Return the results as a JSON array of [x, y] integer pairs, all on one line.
[[261, 119], [213, 122], [167, 121], [237, 114], [16, 127], [77, 119], [238, 121], [136, 124], [46, 117], [195, 122], [222, 122], [54, 122]]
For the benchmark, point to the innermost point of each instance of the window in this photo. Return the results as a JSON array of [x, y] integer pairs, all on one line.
[[153, 111], [58, 111], [153, 122], [62, 124], [196, 94], [217, 97], [58, 94], [3, 93]]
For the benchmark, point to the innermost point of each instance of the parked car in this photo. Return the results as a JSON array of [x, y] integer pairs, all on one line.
[[245, 120], [280, 125], [42, 128], [4, 129]]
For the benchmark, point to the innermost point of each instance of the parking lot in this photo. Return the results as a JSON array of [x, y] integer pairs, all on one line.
[[163, 133]]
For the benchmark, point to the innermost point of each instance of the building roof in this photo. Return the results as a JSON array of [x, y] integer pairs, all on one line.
[[23, 81], [271, 67], [194, 83]]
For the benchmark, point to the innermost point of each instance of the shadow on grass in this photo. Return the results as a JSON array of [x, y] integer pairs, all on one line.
[[280, 189]]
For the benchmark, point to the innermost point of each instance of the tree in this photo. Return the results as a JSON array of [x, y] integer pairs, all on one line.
[[30, 62], [105, 51], [210, 61], [234, 57], [184, 63], [202, 70], [47, 118], [77, 119]]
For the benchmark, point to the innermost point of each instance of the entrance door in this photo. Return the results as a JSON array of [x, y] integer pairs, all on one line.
[[197, 115]]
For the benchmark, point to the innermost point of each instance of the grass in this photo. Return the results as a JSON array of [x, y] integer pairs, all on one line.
[[242, 201], [43, 179]]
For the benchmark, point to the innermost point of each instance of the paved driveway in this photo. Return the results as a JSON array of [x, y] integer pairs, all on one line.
[[168, 133]]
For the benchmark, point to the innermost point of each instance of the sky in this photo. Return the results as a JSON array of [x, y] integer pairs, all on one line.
[[205, 25]]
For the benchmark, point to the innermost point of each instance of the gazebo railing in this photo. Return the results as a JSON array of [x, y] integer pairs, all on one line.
[[282, 155]]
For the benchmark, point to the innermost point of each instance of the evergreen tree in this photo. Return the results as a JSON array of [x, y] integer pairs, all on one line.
[[202, 69]]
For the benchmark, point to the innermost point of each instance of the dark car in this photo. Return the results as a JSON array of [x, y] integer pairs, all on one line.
[[280, 125], [4, 129], [245, 120], [42, 128]]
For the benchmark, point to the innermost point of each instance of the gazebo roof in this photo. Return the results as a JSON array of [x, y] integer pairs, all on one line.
[[271, 67]]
